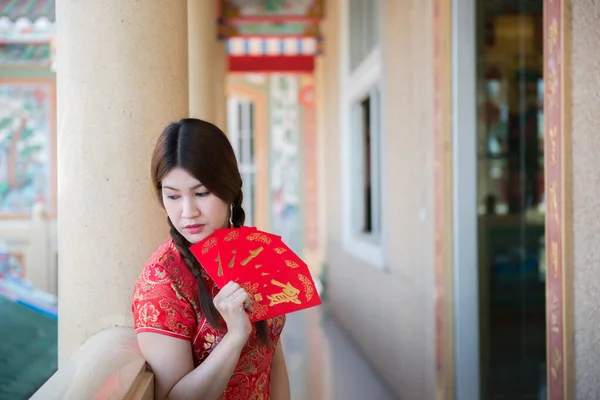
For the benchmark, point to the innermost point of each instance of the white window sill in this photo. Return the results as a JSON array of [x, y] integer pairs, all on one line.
[[365, 249]]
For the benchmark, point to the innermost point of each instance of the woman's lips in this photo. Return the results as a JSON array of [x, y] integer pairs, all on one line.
[[194, 229]]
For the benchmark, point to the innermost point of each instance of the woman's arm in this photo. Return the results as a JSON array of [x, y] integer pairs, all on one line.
[[280, 384], [171, 359], [172, 364]]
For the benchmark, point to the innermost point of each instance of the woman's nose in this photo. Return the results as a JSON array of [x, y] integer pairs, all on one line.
[[189, 208]]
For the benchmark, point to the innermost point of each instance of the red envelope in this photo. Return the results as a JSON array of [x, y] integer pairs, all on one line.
[[228, 240], [267, 261], [287, 292], [255, 252], [276, 278], [207, 253], [290, 259]]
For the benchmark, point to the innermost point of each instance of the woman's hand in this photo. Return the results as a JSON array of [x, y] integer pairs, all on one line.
[[232, 302]]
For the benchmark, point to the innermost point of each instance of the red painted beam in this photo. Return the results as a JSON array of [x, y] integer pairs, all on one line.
[[258, 64]]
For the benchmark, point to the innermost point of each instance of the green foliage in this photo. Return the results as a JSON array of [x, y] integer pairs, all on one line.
[[3, 189], [29, 150], [6, 121], [27, 133]]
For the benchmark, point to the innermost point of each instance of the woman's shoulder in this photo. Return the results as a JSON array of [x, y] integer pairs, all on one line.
[[165, 271], [163, 295], [165, 256]]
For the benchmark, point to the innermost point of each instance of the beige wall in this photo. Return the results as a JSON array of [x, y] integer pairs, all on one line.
[[585, 65], [33, 242], [391, 313]]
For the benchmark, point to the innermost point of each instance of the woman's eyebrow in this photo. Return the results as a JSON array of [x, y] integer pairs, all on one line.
[[198, 186]]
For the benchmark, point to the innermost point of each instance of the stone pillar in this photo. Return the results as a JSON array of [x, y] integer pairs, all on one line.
[[122, 75], [207, 63], [222, 68], [321, 95]]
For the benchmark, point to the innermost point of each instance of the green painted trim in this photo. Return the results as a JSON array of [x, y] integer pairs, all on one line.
[[26, 73], [31, 5]]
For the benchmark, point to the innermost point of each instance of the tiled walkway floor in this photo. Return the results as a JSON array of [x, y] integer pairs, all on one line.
[[323, 363], [28, 350]]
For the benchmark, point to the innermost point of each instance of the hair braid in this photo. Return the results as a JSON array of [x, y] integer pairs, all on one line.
[[205, 298], [238, 217]]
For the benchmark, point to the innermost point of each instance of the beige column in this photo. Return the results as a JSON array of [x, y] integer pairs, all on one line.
[[122, 76], [321, 123], [207, 63], [222, 68]]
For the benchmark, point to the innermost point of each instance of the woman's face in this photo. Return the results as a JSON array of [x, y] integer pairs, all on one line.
[[193, 210]]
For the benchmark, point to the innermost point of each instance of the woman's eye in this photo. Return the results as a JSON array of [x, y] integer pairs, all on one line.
[[172, 197], [203, 194]]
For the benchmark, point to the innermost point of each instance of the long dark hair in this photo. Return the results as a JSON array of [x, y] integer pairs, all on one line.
[[204, 151]]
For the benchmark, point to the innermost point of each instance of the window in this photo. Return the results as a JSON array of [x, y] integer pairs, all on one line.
[[363, 30], [241, 123], [366, 160], [361, 130]]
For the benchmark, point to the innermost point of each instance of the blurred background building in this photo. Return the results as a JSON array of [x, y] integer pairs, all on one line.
[[432, 161]]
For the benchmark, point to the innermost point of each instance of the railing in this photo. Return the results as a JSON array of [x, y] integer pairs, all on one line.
[[108, 366]]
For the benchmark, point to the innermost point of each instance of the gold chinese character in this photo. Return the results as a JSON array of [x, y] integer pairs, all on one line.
[[553, 145], [220, 270], [554, 319], [552, 35], [554, 255], [554, 201], [253, 254], [552, 83], [289, 294], [556, 362], [554, 301], [230, 265], [555, 308]]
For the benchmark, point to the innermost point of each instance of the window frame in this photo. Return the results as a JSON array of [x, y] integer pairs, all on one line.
[[355, 86], [244, 151]]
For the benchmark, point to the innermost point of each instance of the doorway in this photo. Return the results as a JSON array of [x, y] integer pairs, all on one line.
[[499, 208]]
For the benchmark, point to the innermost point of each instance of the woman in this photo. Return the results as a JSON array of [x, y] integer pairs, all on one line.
[[199, 341]]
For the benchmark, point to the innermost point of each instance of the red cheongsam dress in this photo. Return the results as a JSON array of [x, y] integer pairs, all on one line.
[[165, 301]]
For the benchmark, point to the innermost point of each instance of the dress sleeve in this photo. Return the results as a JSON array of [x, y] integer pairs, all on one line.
[[158, 307]]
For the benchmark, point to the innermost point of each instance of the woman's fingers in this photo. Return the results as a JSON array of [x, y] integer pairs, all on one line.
[[233, 296], [235, 299], [229, 290], [239, 297]]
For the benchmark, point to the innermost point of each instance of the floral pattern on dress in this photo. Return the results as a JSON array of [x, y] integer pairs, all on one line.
[[165, 301], [211, 341]]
